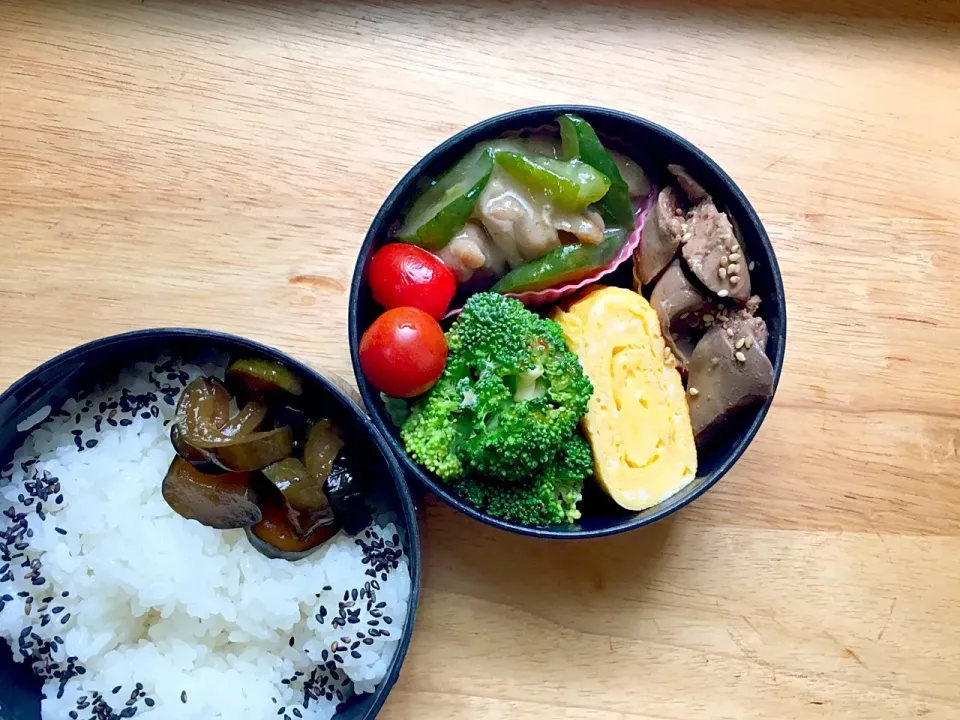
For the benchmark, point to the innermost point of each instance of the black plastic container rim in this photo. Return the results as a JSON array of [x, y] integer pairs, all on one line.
[[406, 499], [490, 128]]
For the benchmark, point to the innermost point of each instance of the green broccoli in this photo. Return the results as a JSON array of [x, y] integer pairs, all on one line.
[[509, 397], [550, 498], [436, 426]]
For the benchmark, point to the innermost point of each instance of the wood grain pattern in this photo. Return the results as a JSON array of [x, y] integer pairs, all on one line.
[[216, 165]]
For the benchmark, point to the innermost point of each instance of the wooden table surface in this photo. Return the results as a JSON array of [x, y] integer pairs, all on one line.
[[217, 165]]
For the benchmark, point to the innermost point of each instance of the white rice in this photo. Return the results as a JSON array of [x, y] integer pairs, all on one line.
[[135, 608]]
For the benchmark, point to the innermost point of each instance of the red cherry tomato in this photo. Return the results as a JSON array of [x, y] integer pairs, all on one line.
[[403, 352], [403, 275]]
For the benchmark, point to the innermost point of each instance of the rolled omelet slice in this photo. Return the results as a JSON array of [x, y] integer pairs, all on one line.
[[638, 421]]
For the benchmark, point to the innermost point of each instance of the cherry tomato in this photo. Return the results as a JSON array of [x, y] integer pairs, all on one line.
[[403, 352], [403, 275]]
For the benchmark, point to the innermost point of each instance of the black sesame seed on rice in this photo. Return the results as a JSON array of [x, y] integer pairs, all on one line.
[[183, 696], [149, 702]]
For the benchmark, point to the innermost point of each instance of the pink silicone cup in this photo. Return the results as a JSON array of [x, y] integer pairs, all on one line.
[[544, 297]]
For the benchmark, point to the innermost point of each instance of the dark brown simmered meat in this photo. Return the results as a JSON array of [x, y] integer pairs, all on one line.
[[681, 308], [745, 323], [691, 187], [713, 253], [728, 370], [660, 238]]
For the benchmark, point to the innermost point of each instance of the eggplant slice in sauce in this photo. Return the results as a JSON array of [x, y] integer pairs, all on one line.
[[277, 537], [303, 493], [253, 451], [236, 446], [219, 501], [345, 493], [257, 377], [188, 452], [291, 506], [204, 406], [324, 443], [203, 422]]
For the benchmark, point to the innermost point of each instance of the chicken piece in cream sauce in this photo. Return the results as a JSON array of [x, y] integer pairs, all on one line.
[[524, 226], [471, 251]]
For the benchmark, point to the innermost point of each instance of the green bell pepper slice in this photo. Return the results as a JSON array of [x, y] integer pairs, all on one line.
[[444, 208], [562, 265], [572, 185], [580, 141]]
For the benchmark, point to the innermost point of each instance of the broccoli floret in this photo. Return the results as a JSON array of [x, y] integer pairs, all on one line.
[[436, 426], [503, 413], [530, 389], [565, 475], [549, 499]]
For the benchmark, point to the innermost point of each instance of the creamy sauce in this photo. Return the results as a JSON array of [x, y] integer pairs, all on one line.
[[524, 225]]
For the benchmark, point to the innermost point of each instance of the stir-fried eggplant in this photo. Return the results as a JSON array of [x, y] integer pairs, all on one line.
[[219, 501], [277, 537], [204, 406], [304, 488], [243, 423], [254, 451], [185, 450], [345, 494], [303, 492], [256, 377], [323, 445], [203, 421], [298, 420]]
